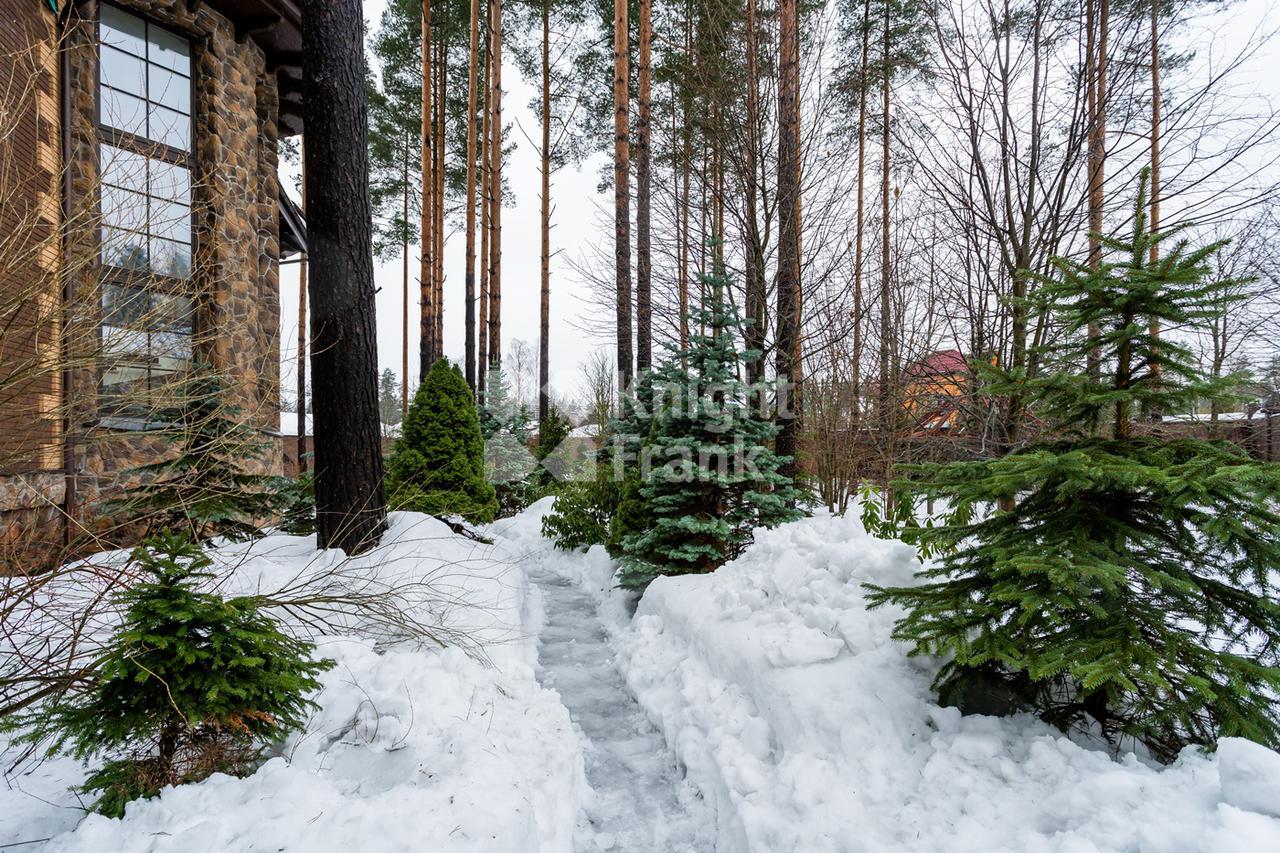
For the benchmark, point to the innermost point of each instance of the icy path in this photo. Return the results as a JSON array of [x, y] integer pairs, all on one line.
[[642, 803]]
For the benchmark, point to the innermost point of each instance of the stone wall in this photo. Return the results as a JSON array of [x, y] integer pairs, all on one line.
[[236, 258]]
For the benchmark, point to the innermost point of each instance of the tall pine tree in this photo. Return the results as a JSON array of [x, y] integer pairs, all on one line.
[[1133, 577]]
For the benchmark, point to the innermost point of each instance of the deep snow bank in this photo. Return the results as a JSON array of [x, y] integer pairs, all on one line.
[[414, 748], [786, 698]]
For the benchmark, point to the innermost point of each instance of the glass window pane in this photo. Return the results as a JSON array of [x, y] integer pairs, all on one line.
[[171, 128], [171, 221], [170, 182], [171, 258], [124, 249], [122, 30], [122, 70], [172, 312], [124, 209], [123, 168], [125, 307], [169, 89], [123, 112], [169, 50], [171, 349]]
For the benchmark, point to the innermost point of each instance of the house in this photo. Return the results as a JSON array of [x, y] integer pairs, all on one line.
[[142, 226], [935, 388]]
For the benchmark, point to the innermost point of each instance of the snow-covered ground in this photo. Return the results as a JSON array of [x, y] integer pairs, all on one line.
[[415, 748], [814, 732], [801, 727]]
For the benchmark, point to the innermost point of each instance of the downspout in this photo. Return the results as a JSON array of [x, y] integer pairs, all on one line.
[[68, 444]]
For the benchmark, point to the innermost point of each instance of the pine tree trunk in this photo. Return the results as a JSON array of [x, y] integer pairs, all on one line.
[[350, 505], [1097, 146], [644, 266], [544, 317], [442, 69], [1154, 325], [787, 337], [886, 294], [473, 130], [427, 240], [754, 334], [686, 169], [860, 220], [486, 199], [622, 189], [495, 203], [302, 334], [404, 263]]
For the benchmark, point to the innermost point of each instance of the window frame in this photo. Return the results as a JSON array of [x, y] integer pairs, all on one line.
[[146, 280]]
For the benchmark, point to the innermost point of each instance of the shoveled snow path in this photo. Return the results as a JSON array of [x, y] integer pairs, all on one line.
[[641, 802]]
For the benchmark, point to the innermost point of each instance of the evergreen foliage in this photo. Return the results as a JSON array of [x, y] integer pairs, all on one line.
[[389, 410], [438, 463], [707, 477], [191, 684], [581, 515], [506, 424], [1133, 579], [552, 431], [203, 489]]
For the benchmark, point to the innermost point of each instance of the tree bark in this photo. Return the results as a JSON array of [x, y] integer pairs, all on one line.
[[473, 130], [427, 348], [486, 199], [302, 334], [442, 69], [495, 202], [886, 294], [644, 265], [544, 317], [622, 188], [787, 337], [860, 219], [1154, 324], [1097, 147], [350, 505], [404, 263], [754, 261]]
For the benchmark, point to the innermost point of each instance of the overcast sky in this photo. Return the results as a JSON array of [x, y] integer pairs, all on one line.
[[582, 218]]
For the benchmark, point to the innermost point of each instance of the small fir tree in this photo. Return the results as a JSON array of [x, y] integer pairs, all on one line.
[[506, 425], [1133, 577], [203, 488], [191, 684], [389, 400], [707, 477], [438, 463]]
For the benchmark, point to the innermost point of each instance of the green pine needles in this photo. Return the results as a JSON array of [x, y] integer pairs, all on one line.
[[438, 463], [1132, 580], [203, 488], [706, 475], [190, 684]]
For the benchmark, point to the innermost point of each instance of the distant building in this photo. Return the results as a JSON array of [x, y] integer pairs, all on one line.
[[935, 389], [142, 229]]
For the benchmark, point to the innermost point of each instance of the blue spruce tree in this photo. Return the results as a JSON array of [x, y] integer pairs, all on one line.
[[707, 476]]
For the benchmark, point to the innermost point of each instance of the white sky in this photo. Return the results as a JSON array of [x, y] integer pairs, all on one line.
[[582, 218]]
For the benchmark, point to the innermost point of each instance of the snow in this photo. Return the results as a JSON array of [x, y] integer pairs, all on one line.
[[415, 748], [639, 802], [759, 709], [811, 730]]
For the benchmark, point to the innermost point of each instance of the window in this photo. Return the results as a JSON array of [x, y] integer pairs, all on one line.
[[144, 143]]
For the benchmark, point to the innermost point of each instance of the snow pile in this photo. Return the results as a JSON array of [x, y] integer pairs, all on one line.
[[814, 732], [415, 748]]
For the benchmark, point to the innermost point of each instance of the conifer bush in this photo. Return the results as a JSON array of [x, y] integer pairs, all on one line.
[[707, 476], [438, 463], [1132, 581], [506, 425], [190, 684], [203, 488]]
